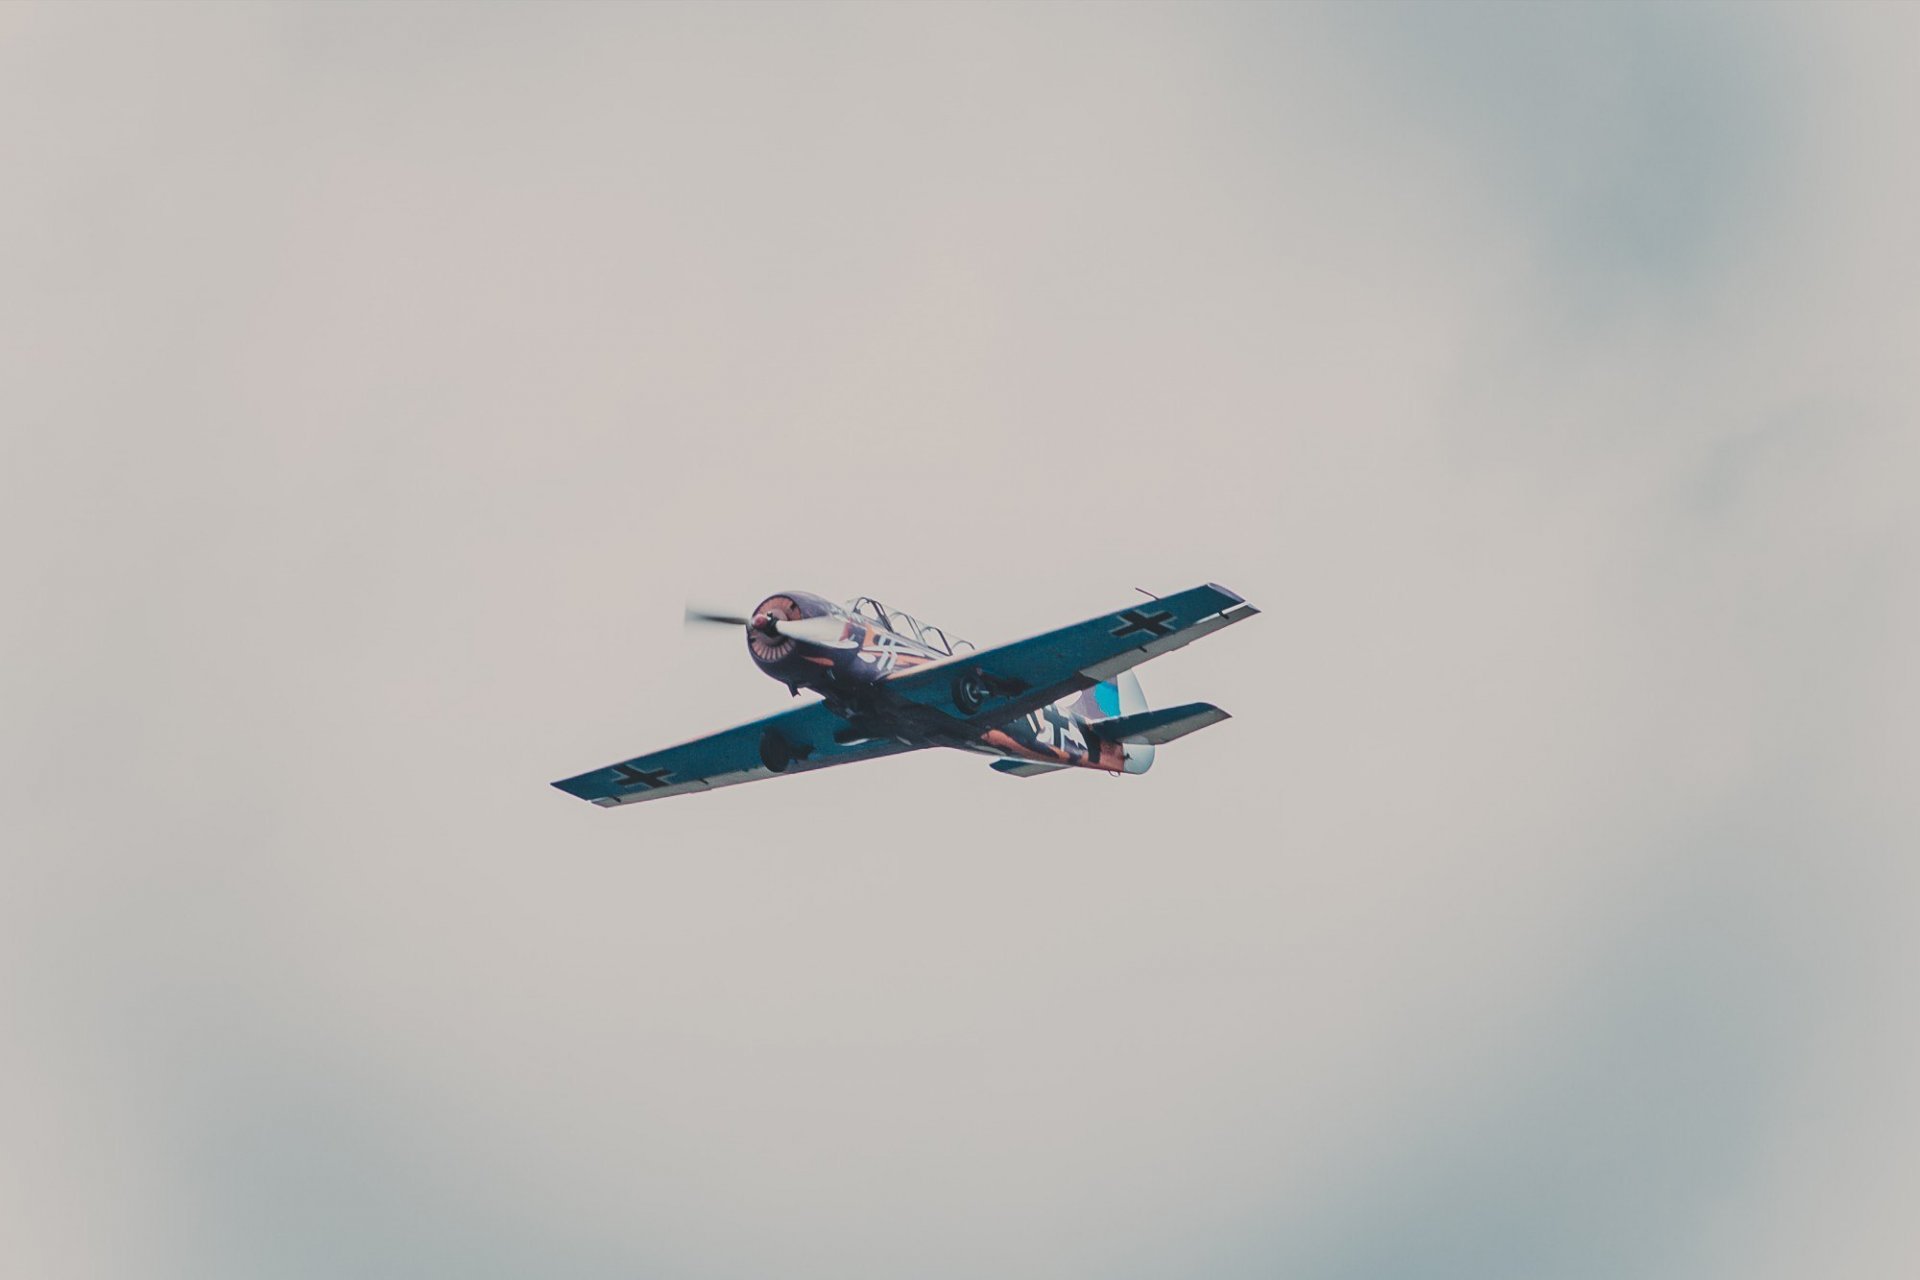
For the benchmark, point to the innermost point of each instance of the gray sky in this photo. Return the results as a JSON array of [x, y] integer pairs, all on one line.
[[378, 382]]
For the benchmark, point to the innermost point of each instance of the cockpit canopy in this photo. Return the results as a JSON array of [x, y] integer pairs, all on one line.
[[905, 624]]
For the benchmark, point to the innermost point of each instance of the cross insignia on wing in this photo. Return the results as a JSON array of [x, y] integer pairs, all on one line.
[[1140, 622], [632, 777]]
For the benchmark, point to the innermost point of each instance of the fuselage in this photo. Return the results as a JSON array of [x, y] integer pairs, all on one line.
[[847, 654]]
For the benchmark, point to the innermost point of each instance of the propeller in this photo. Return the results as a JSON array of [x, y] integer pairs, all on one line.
[[721, 619], [828, 633]]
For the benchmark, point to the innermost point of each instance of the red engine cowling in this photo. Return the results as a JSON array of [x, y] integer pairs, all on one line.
[[783, 657]]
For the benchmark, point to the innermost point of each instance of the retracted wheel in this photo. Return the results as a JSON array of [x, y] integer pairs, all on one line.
[[971, 691], [775, 753]]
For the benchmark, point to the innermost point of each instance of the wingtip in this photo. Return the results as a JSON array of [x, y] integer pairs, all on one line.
[[576, 787], [1236, 606]]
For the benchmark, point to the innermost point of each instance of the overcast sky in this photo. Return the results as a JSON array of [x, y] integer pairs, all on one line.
[[378, 382]]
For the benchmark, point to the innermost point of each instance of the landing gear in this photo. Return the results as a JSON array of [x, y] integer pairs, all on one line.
[[775, 751], [972, 688], [970, 691]]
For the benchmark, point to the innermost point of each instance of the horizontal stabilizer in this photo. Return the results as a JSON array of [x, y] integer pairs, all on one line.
[[1157, 727], [1027, 768]]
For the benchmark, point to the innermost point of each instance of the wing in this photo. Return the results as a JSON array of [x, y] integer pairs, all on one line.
[[804, 736], [994, 685]]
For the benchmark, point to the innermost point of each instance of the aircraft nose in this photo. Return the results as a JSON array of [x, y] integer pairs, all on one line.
[[827, 632]]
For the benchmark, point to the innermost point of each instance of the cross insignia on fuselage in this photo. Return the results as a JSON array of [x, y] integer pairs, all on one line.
[[1138, 621], [1059, 723], [632, 777]]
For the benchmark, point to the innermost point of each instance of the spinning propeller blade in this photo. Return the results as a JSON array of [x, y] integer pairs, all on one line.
[[720, 619]]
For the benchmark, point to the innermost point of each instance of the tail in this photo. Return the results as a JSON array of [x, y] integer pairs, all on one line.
[[1125, 723], [1122, 699]]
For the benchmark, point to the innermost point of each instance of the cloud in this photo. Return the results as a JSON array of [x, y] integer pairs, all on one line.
[[392, 377]]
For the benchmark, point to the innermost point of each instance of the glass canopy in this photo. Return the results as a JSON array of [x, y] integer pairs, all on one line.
[[906, 625]]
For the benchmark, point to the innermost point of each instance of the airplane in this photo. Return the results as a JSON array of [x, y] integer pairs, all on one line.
[[887, 683]]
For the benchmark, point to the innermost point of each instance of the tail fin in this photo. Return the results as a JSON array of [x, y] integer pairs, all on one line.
[[1131, 700]]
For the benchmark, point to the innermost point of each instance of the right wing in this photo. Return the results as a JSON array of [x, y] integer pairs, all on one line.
[[722, 759], [995, 685]]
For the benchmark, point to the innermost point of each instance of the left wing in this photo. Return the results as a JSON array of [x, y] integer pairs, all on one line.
[[803, 737], [995, 685]]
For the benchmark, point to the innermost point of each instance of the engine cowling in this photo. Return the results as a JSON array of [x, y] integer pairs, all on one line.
[[785, 657]]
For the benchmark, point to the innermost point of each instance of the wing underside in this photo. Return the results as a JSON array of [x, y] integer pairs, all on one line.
[[800, 740]]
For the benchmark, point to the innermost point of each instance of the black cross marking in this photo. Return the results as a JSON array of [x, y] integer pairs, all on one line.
[[632, 777], [1139, 620], [1059, 722]]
